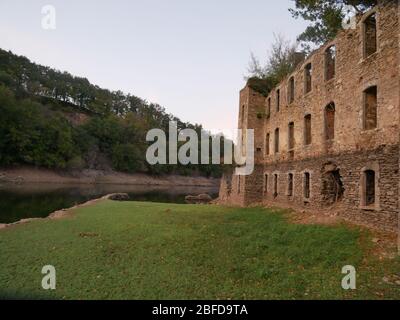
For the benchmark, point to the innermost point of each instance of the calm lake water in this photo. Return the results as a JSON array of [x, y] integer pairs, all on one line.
[[39, 200]]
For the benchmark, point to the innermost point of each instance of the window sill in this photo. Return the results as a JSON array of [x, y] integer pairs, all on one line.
[[370, 57], [370, 208], [306, 95], [330, 81], [366, 131]]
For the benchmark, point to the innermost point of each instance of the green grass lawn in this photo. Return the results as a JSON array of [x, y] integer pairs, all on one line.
[[134, 250]]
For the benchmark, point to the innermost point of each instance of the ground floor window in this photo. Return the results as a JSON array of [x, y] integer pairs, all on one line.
[[307, 179], [266, 184], [275, 185], [290, 184], [369, 185]]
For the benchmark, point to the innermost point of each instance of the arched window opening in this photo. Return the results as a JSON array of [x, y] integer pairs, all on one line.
[[332, 188]]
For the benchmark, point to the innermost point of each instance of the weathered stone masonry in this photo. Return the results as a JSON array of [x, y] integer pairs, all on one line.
[[327, 137]]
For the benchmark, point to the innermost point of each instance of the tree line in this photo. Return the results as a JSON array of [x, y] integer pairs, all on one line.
[[34, 128]]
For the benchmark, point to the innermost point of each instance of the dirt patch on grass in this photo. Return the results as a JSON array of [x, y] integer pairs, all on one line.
[[383, 244], [308, 217]]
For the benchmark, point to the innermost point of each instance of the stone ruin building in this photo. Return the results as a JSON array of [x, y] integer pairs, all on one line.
[[327, 137]]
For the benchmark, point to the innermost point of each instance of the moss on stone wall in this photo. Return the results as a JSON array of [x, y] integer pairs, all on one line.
[[262, 86]]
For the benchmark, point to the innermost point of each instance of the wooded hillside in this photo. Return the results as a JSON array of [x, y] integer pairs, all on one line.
[[34, 128]]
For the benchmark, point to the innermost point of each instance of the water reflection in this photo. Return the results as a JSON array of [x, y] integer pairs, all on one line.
[[39, 200]]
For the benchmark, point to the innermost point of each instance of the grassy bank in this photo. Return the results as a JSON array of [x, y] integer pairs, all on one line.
[[134, 250]]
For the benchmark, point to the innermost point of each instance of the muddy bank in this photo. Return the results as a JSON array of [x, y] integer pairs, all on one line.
[[35, 175]]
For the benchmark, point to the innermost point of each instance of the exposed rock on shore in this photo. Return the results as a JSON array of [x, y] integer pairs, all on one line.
[[200, 199]]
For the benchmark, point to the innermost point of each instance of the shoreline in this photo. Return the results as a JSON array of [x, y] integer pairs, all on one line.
[[58, 214], [25, 175]]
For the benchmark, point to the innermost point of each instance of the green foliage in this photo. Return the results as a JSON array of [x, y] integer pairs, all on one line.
[[34, 129], [281, 61], [325, 17], [262, 86], [125, 250], [126, 157], [29, 134], [76, 163]]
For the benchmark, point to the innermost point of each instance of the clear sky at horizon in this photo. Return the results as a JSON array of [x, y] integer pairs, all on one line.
[[188, 56]]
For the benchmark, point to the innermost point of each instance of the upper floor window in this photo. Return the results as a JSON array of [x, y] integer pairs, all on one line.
[[371, 108], [291, 90], [267, 144], [307, 130], [268, 107], [277, 140], [330, 63], [370, 35], [308, 78], [278, 100], [330, 121], [291, 136]]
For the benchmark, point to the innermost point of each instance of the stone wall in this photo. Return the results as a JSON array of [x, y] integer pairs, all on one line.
[[349, 137], [345, 172], [354, 74]]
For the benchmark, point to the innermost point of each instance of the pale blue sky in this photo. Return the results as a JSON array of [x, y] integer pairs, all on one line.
[[189, 56]]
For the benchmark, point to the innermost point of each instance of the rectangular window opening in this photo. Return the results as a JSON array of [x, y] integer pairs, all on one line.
[[307, 130], [308, 78], [290, 185], [371, 108], [370, 35], [369, 188], [307, 185], [278, 100], [277, 140]]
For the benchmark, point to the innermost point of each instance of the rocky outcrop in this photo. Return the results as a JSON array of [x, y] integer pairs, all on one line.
[[199, 199], [118, 197]]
